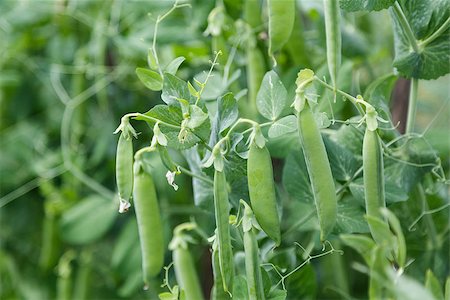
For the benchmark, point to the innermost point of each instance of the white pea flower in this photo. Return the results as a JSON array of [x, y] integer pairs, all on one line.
[[171, 178], [124, 206]]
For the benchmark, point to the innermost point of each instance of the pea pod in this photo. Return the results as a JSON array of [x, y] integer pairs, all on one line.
[[373, 176], [221, 210], [255, 74], [262, 190], [50, 243], [217, 291], [124, 167], [281, 22], [149, 223], [333, 37], [252, 266], [319, 170], [185, 272]]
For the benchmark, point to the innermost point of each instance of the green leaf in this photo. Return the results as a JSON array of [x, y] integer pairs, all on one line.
[[196, 117], [271, 97], [151, 79], [400, 250], [368, 5], [350, 217], [227, 112], [203, 191], [361, 243], [343, 163], [240, 288], [151, 59], [381, 233], [433, 285], [173, 66], [295, 178], [175, 88], [88, 220], [406, 288], [433, 59], [392, 191], [277, 294], [283, 126]]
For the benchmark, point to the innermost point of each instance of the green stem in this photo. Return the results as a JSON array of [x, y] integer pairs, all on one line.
[[405, 26], [188, 172], [353, 100], [412, 105], [436, 34]]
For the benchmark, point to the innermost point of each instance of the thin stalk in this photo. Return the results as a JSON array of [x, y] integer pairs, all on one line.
[[436, 34], [352, 99], [188, 172], [405, 26], [412, 106]]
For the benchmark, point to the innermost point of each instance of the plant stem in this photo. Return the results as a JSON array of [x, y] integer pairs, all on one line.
[[352, 99], [405, 26], [412, 105], [436, 34], [188, 172]]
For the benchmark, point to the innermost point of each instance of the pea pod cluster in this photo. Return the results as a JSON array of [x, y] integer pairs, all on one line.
[[149, 223]]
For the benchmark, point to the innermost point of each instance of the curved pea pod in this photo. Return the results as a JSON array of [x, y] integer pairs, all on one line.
[[261, 189], [124, 167], [373, 175], [319, 171], [222, 213], [149, 223], [333, 37], [252, 266], [186, 274]]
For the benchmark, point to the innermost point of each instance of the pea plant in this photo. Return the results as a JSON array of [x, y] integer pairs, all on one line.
[[292, 172]]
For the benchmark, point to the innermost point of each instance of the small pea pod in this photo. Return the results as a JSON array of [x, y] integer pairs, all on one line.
[[185, 272], [252, 265], [149, 223], [333, 37], [262, 190], [50, 243], [373, 176], [222, 210], [319, 170], [217, 291], [255, 74], [124, 168]]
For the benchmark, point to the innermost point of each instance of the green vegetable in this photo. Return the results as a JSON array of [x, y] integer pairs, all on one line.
[[252, 265], [319, 170], [281, 21], [333, 38], [262, 190], [124, 167], [149, 223], [222, 210]]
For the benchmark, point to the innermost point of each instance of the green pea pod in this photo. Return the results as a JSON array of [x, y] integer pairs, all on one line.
[[373, 177], [222, 212], [124, 166], [333, 37], [185, 272], [252, 266], [281, 22], [217, 291], [50, 243], [261, 189], [149, 223], [255, 74], [319, 170]]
